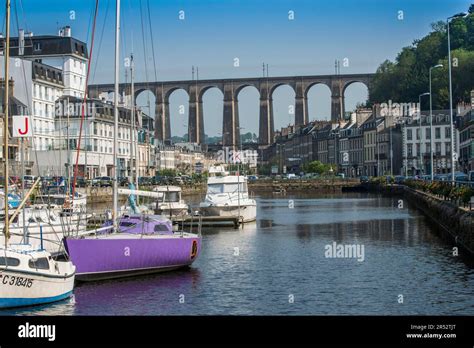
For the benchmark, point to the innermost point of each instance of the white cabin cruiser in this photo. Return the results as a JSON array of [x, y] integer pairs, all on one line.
[[227, 196], [169, 202]]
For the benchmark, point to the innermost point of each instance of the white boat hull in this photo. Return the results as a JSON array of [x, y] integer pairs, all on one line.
[[19, 289], [248, 212]]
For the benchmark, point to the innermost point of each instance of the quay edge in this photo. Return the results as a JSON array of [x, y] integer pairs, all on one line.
[[456, 222]]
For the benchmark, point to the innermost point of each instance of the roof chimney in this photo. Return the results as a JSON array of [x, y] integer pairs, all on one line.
[[21, 42], [67, 31]]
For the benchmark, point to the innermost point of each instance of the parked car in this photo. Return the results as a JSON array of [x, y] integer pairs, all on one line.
[[80, 181], [252, 178], [364, 179], [102, 181], [441, 177], [399, 179], [123, 181], [461, 177], [144, 180], [29, 180], [471, 176]]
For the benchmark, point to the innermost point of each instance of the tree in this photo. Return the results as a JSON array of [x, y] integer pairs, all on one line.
[[316, 167], [408, 76]]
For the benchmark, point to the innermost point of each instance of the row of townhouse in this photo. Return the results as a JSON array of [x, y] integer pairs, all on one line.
[[136, 145], [370, 144], [186, 158]]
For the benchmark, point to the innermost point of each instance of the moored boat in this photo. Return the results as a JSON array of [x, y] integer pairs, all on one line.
[[30, 276], [143, 244], [169, 202], [227, 196]]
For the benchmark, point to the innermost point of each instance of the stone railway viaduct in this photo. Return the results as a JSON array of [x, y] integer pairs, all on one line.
[[230, 88]]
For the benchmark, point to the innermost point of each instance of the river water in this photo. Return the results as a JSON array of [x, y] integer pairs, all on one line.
[[281, 265]]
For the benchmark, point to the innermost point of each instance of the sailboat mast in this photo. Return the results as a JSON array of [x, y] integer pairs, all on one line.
[[132, 125], [6, 230], [116, 116]]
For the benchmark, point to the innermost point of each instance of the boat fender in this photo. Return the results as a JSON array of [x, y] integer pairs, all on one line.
[[194, 249]]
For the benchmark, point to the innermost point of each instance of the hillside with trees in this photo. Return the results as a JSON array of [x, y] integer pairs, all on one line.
[[408, 76]]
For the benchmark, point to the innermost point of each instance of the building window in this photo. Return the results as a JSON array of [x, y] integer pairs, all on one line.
[[447, 132], [448, 148], [410, 150], [438, 149], [428, 133], [437, 133], [409, 134]]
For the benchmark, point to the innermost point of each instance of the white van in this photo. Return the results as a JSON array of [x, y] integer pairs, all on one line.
[[29, 180]]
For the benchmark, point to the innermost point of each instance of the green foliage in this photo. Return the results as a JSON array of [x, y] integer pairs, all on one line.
[[317, 167], [167, 172], [406, 78], [445, 190]]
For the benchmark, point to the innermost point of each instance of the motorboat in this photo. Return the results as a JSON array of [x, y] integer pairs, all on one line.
[[227, 196], [169, 202]]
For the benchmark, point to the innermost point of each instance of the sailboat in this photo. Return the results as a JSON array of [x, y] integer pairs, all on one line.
[[134, 244], [28, 275]]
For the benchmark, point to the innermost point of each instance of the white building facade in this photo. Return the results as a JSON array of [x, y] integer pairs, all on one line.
[[417, 144]]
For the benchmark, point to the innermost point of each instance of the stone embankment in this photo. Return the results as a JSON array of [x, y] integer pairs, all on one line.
[[457, 222]]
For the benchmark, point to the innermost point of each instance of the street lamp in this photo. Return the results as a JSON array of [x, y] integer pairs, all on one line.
[[459, 15], [431, 123], [419, 126]]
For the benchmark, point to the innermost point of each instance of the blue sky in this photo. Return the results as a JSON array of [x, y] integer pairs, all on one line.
[[214, 32]]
